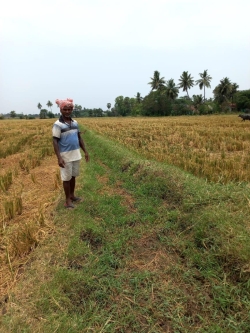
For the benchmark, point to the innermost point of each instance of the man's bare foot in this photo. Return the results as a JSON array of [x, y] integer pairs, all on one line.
[[69, 206], [76, 199]]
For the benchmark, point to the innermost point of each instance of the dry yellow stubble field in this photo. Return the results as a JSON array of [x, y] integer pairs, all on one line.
[[213, 147], [30, 187]]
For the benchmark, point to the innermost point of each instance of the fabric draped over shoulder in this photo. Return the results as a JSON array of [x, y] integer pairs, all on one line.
[[65, 102]]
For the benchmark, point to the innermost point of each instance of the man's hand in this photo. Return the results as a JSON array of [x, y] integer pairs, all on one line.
[[86, 156], [61, 162]]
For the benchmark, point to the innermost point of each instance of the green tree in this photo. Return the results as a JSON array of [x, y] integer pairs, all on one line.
[[138, 98], [127, 104], [156, 103], [43, 114], [204, 81], [197, 101], [242, 100], [119, 106], [50, 114], [181, 106], [222, 92], [108, 106], [234, 90], [49, 105], [30, 116], [137, 109], [157, 82], [39, 105], [97, 112], [123, 106], [171, 89], [77, 110], [186, 82], [13, 114]]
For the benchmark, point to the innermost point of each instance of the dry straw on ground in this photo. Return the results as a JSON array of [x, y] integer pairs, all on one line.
[[213, 147], [28, 193]]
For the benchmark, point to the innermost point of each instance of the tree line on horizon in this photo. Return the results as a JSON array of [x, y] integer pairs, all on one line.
[[163, 100]]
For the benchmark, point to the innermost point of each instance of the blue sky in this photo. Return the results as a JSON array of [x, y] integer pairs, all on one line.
[[93, 51]]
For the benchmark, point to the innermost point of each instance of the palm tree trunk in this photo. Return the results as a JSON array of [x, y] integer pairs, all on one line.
[[204, 92]]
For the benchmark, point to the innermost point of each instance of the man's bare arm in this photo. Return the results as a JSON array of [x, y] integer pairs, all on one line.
[[61, 162], [82, 145]]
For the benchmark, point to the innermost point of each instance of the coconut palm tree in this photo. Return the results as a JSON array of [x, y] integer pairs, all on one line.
[[222, 92], [39, 105], [157, 83], [234, 90], [138, 98], [204, 81], [171, 89], [49, 105], [186, 82]]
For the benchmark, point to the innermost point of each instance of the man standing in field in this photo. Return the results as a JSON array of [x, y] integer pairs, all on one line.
[[67, 142]]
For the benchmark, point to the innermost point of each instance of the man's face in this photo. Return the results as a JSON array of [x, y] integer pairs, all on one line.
[[66, 111]]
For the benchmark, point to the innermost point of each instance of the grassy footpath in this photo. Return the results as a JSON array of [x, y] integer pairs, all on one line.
[[151, 249]]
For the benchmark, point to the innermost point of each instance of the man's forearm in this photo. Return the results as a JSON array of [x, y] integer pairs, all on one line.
[[82, 145], [61, 162], [56, 148]]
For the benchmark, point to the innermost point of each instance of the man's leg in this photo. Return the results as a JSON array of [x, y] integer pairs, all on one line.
[[72, 187], [67, 191], [66, 173], [75, 173]]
